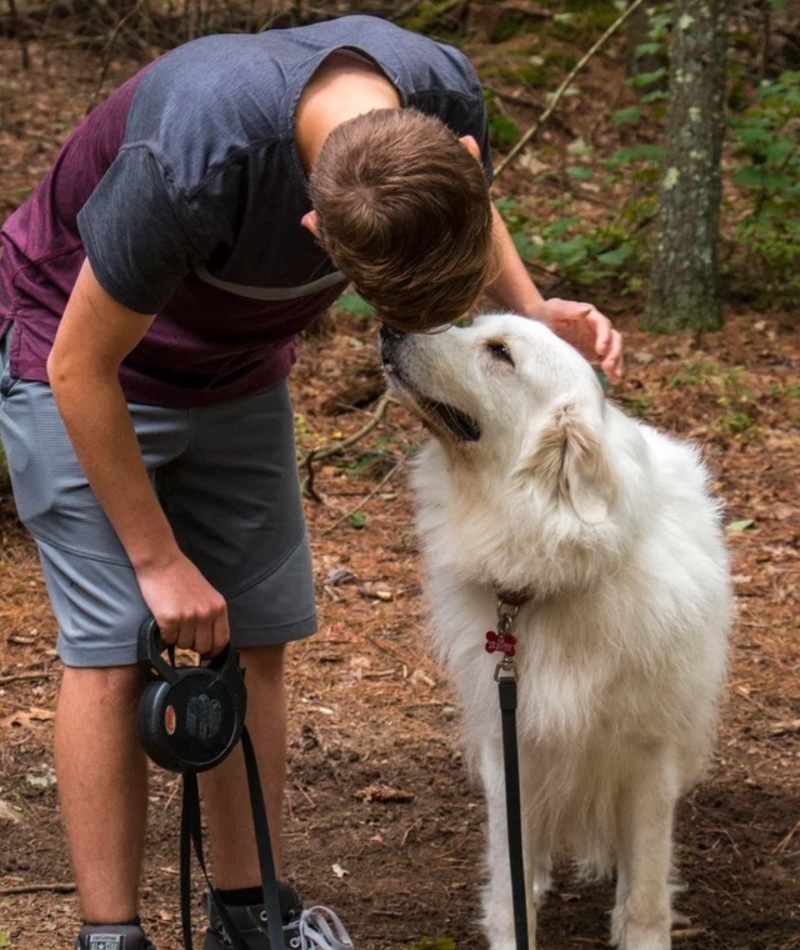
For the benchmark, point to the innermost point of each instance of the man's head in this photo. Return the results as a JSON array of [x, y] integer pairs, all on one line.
[[402, 207]]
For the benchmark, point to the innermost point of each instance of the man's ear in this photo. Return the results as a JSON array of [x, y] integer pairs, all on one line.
[[471, 145], [309, 222]]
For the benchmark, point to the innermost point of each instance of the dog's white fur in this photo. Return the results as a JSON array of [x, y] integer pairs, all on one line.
[[621, 650]]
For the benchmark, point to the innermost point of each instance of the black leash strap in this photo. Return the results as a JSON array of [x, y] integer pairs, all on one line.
[[507, 689], [269, 880], [191, 835]]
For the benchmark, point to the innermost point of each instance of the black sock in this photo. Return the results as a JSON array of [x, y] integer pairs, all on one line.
[[242, 896], [134, 922], [248, 896]]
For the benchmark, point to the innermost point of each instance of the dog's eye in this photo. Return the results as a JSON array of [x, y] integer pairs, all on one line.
[[500, 352]]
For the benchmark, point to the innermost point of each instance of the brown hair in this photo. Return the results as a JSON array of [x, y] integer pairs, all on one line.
[[403, 209]]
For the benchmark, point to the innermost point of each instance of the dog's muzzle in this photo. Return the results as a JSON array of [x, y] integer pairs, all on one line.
[[392, 345]]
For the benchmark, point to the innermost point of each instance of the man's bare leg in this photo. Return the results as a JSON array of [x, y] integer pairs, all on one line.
[[224, 790], [102, 782]]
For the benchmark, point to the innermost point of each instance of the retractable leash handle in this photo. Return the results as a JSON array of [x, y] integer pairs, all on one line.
[[190, 719]]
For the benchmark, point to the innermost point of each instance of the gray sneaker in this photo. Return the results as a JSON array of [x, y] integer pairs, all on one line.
[[313, 928], [108, 937]]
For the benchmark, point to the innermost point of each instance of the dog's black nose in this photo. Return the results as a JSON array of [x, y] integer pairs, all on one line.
[[391, 333]]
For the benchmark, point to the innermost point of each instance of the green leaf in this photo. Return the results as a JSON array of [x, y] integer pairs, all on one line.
[[647, 79], [358, 519], [5, 940], [526, 247], [354, 305], [626, 116], [639, 153], [559, 228], [579, 172], [741, 525], [647, 49], [617, 255], [749, 177]]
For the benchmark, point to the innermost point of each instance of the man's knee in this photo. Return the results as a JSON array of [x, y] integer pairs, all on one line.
[[263, 663], [109, 686]]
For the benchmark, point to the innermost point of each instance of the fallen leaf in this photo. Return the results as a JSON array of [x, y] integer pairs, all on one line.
[[781, 728], [44, 779], [420, 677], [9, 813], [741, 525]]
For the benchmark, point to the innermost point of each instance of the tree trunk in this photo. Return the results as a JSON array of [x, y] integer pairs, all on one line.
[[683, 280]]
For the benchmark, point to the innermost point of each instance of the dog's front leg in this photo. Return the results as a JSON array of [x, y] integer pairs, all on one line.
[[642, 915], [498, 905]]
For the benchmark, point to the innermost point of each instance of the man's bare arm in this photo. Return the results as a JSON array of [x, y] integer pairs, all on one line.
[[95, 335]]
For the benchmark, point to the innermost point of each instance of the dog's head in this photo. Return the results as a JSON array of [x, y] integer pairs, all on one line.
[[506, 396]]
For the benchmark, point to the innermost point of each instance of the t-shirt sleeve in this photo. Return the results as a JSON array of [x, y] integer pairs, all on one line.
[[459, 103], [482, 138], [139, 232]]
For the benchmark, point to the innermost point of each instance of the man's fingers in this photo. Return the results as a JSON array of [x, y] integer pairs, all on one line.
[[187, 636], [604, 336], [221, 634], [613, 363], [204, 635]]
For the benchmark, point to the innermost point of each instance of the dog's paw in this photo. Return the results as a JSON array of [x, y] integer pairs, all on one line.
[[499, 930], [541, 887], [510, 943], [542, 878], [633, 937], [617, 925]]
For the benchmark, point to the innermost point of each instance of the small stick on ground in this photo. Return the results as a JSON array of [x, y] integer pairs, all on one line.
[[364, 500], [65, 887], [336, 447], [5, 680]]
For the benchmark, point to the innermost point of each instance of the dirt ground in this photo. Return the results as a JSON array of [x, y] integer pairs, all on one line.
[[382, 821]]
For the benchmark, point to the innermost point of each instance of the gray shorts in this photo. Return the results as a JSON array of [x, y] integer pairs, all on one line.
[[227, 479]]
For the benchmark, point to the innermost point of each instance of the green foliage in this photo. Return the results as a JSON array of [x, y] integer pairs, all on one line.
[[355, 305], [534, 73], [435, 943], [426, 17], [582, 253], [767, 238], [636, 405], [732, 395], [631, 114], [503, 132], [585, 252]]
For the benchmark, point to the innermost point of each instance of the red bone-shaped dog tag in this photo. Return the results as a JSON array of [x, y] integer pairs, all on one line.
[[502, 642]]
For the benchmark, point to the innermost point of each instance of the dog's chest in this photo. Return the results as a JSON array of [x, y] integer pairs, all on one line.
[[569, 688]]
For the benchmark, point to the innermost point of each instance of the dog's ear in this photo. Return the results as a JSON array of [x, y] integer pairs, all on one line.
[[569, 463]]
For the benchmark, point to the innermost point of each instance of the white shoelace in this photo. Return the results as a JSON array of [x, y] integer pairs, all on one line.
[[318, 928]]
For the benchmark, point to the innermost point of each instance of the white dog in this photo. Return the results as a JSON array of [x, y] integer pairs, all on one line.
[[538, 490]]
